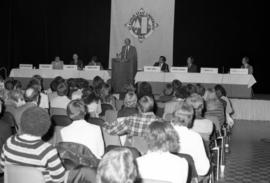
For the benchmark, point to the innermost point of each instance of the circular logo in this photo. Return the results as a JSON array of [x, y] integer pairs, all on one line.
[[141, 25]]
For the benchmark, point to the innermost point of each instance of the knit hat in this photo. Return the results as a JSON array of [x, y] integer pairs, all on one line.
[[35, 121]]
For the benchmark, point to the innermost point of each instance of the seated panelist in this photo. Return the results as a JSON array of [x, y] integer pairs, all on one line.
[[57, 63], [162, 64]]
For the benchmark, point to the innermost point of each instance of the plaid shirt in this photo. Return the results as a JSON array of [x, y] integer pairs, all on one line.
[[132, 125]]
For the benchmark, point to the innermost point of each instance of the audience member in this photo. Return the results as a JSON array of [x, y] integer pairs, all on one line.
[[215, 110], [167, 94], [31, 97], [134, 125], [82, 132], [175, 84], [106, 95], [117, 166], [57, 63], [76, 61], [222, 95], [144, 89], [200, 124], [27, 148], [130, 105], [61, 100], [190, 141], [159, 163], [200, 89], [162, 64], [5, 127], [52, 91], [93, 103], [191, 89]]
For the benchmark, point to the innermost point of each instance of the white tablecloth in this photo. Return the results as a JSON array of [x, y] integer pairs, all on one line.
[[89, 75], [236, 79]]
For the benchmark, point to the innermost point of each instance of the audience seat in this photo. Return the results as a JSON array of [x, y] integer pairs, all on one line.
[[74, 155], [57, 111], [134, 151], [22, 174], [61, 120]]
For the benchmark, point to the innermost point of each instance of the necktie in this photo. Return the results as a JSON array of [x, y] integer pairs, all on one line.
[[126, 52]]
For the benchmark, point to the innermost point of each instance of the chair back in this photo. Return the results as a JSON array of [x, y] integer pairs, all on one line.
[[138, 143], [58, 111], [22, 174], [110, 139], [61, 120]]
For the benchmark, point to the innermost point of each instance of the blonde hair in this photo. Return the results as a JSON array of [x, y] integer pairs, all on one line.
[[117, 166], [183, 114]]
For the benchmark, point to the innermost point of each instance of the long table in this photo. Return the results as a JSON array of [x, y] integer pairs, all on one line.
[[24, 75], [236, 85]]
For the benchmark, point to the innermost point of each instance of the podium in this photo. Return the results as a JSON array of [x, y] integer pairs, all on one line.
[[123, 73]]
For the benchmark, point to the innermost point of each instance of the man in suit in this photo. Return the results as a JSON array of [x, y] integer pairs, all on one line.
[[57, 63], [161, 63], [190, 65], [129, 53], [76, 61]]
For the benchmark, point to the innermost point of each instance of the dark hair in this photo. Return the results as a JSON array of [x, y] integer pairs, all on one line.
[[200, 89], [181, 92], [144, 89], [17, 84], [246, 58], [55, 82], [40, 79], [35, 121], [167, 89], [62, 89], [76, 110], [176, 83], [221, 89], [163, 58], [191, 89], [9, 84], [162, 136], [91, 98]]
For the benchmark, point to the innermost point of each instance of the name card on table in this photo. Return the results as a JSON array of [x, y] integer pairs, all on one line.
[[207, 70], [92, 68], [70, 67], [238, 71], [151, 69], [179, 69], [26, 66], [45, 66]]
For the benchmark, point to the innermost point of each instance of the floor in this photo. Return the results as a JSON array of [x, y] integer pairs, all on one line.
[[249, 157]]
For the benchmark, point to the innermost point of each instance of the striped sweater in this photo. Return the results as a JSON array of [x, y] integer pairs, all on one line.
[[31, 151]]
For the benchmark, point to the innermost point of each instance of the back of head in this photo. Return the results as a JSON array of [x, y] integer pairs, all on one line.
[[31, 94], [168, 91], [9, 84], [191, 89], [161, 136], [15, 95], [221, 90], [181, 92], [144, 88], [200, 89], [117, 166], [62, 89], [76, 110], [146, 104], [196, 101], [183, 114], [55, 82], [130, 99], [35, 121], [176, 83]]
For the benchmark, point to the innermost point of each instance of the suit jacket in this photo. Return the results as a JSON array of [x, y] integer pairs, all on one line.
[[164, 67], [79, 64], [57, 65], [130, 55], [193, 68]]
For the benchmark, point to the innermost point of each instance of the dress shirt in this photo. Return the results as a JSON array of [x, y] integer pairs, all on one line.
[[163, 166], [82, 132], [132, 125], [191, 143], [60, 102]]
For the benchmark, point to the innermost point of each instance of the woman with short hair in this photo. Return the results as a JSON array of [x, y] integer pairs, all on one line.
[[117, 166], [159, 163]]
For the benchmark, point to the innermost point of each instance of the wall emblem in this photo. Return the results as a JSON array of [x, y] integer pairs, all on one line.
[[141, 25]]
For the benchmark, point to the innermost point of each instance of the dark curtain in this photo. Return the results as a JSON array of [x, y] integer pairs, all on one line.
[[215, 33]]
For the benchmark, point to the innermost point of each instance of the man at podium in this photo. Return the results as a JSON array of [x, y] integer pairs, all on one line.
[[128, 52]]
